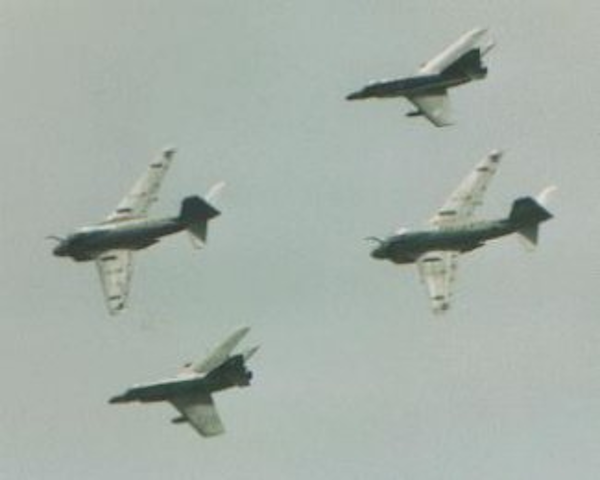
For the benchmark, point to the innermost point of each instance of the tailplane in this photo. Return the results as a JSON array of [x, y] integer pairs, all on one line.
[[195, 214], [526, 215]]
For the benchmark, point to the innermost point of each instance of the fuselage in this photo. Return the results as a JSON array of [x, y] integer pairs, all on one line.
[[410, 86], [408, 247], [89, 242], [232, 373]]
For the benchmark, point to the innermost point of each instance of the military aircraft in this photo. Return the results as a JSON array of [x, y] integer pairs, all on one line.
[[436, 251], [191, 391], [111, 243], [460, 63]]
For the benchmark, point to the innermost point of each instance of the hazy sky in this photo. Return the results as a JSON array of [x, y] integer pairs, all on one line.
[[356, 378]]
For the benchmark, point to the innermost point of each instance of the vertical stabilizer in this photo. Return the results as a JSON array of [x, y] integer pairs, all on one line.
[[526, 215], [195, 214]]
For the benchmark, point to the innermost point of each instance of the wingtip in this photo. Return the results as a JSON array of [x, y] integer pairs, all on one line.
[[243, 328], [169, 151], [496, 154], [240, 332], [114, 311], [476, 32], [439, 310]]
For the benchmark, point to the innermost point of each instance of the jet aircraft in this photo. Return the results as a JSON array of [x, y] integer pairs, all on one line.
[[191, 391], [458, 64], [111, 243], [436, 251]]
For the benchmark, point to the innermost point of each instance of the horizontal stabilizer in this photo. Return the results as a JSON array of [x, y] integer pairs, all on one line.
[[487, 47], [528, 236], [249, 353]]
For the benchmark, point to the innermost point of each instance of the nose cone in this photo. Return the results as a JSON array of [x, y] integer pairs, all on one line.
[[119, 399], [358, 95], [60, 250], [379, 253]]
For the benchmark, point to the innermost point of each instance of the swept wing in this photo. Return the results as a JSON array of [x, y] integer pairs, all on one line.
[[435, 106], [459, 207], [115, 268], [144, 192], [438, 271], [200, 412]]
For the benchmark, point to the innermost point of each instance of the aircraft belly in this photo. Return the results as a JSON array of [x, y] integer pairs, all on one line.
[[405, 258], [86, 256], [428, 85], [455, 241], [165, 391], [135, 238], [466, 240], [491, 230]]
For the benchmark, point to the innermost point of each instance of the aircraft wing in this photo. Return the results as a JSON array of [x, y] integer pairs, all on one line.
[[435, 106], [460, 206], [144, 192], [466, 42], [438, 271], [115, 268], [200, 411], [221, 353]]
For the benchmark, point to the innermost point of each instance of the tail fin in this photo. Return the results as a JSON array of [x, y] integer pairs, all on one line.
[[195, 214], [469, 64], [526, 215], [221, 353]]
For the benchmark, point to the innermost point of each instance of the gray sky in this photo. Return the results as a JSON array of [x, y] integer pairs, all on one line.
[[356, 378]]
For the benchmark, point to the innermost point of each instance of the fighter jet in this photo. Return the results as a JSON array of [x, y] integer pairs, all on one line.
[[460, 63], [191, 391], [436, 250], [112, 242]]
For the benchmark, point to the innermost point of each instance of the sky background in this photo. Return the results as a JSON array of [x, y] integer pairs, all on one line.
[[356, 378]]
